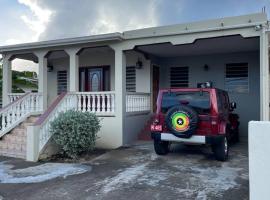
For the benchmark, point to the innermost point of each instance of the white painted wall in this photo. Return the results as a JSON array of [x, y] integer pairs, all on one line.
[[58, 65], [101, 58], [109, 137], [259, 162], [143, 80], [248, 105], [133, 125]]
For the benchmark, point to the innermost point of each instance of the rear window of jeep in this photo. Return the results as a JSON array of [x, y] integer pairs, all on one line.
[[199, 101]]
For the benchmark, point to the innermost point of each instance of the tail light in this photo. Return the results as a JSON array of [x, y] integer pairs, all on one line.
[[214, 124], [156, 126]]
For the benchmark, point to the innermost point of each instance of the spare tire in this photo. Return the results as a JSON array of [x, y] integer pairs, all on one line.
[[182, 121]]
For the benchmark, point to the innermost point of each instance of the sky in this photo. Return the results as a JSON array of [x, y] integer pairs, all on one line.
[[24, 21]]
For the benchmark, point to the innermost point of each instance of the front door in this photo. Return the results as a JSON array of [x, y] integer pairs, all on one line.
[[95, 80]]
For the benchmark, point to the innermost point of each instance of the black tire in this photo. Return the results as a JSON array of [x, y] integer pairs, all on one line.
[[221, 150], [188, 113], [161, 147]]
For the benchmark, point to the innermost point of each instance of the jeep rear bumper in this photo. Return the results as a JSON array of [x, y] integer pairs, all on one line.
[[195, 139]]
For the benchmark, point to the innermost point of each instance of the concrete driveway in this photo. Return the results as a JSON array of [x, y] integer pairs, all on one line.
[[131, 173]]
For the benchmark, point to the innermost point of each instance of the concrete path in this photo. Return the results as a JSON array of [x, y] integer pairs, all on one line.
[[131, 173]]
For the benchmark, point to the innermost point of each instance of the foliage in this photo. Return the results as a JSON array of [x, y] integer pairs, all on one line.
[[75, 132]]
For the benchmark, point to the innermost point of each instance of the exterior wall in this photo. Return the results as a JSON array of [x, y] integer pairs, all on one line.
[[109, 137], [143, 81], [133, 125], [58, 65], [248, 105], [259, 162]]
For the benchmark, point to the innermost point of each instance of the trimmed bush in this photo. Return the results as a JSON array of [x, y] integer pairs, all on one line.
[[75, 132]]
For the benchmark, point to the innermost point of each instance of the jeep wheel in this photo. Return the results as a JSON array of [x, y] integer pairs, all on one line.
[[161, 147], [221, 150]]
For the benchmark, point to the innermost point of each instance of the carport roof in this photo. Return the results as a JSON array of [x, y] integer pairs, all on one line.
[[208, 25]]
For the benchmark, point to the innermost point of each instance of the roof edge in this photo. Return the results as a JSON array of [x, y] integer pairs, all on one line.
[[62, 42]]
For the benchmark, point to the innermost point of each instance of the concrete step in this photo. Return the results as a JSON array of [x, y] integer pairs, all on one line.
[[13, 144], [18, 131]]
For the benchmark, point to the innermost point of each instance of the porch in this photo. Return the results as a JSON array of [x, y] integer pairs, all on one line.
[[92, 87]]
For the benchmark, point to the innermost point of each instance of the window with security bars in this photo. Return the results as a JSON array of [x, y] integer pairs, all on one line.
[[131, 79], [61, 81], [179, 77], [236, 78]]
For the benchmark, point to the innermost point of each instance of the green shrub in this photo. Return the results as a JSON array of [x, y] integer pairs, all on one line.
[[75, 132]]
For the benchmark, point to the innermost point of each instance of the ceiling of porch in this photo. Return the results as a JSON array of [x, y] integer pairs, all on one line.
[[228, 44]]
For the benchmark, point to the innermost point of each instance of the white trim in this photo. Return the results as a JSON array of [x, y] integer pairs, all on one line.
[[63, 42], [195, 139]]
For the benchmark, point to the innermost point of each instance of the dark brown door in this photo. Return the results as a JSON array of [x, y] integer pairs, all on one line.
[[95, 80], [155, 86]]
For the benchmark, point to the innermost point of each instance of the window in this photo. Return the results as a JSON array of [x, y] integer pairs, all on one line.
[[222, 101], [61, 81], [179, 77], [131, 79], [199, 101], [236, 78]]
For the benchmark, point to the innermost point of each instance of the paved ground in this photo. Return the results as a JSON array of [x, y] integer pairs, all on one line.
[[131, 173]]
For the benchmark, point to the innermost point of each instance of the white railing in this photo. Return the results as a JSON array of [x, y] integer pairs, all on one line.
[[13, 96], [61, 104], [100, 103], [17, 111], [138, 102]]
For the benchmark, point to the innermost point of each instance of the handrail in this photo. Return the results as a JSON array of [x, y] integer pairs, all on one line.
[[51, 108], [17, 111], [11, 103], [137, 93], [13, 96], [103, 92]]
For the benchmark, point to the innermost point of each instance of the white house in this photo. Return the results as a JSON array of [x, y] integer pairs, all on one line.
[[118, 76]]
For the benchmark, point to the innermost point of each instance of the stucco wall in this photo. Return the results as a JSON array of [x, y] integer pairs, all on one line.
[[248, 105], [109, 136], [259, 162], [133, 125], [104, 58], [58, 65]]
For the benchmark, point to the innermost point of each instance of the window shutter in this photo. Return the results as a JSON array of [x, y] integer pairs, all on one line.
[[61, 81], [179, 77], [131, 79], [236, 78]]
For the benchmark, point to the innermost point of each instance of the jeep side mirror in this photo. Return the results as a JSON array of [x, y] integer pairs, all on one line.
[[233, 105]]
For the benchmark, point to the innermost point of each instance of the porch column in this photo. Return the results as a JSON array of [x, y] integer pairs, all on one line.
[[7, 80], [42, 77], [120, 91], [264, 76], [73, 69]]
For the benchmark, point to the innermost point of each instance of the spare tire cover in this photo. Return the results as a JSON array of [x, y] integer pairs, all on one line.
[[182, 121]]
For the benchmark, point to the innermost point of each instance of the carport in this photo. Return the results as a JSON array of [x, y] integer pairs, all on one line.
[[231, 63]]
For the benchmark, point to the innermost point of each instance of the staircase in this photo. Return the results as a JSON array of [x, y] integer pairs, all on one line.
[[13, 144], [145, 134]]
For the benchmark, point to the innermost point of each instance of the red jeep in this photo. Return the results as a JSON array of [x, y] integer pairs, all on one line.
[[195, 116]]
